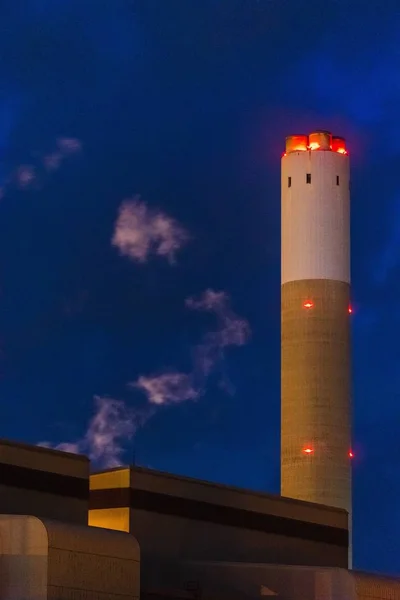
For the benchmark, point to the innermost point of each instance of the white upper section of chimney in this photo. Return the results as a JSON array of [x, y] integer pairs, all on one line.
[[315, 216]]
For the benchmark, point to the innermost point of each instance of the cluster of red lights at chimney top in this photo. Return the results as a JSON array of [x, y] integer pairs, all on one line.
[[309, 304], [308, 450], [316, 146]]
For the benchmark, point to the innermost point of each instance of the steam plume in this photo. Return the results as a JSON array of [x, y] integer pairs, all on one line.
[[231, 330], [25, 176], [65, 147], [167, 388], [32, 176], [209, 355], [112, 425], [140, 232]]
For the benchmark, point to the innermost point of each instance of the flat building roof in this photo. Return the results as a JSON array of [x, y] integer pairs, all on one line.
[[160, 487]]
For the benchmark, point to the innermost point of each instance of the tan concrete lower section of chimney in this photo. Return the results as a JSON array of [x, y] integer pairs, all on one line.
[[316, 392]]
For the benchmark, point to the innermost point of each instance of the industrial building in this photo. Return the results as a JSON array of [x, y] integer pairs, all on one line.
[[134, 532], [67, 533], [175, 518]]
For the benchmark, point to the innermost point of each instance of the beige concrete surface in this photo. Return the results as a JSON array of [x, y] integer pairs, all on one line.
[[48, 560], [316, 392]]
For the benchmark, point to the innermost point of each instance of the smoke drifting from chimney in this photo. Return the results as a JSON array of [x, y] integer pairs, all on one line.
[[110, 428], [31, 176], [114, 424], [209, 355], [168, 388], [232, 330], [141, 232]]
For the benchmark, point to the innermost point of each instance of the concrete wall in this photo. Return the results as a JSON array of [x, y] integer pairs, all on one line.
[[370, 586], [43, 482], [175, 537], [43, 560], [175, 517], [242, 581], [316, 392]]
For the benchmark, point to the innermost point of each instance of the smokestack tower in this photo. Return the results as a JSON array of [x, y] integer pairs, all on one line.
[[315, 321]]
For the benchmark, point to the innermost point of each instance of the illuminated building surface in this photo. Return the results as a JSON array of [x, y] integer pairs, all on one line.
[[315, 321]]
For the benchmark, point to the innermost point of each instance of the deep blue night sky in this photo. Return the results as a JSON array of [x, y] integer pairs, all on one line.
[[186, 103]]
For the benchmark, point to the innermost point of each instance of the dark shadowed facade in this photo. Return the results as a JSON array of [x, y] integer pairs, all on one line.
[[43, 482], [178, 517]]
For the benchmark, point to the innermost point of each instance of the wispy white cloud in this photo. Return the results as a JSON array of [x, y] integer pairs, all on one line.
[[167, 388], [114, 424], [69, 145], [140, 232], [231, 330], [52, 161], [73, 448], [25, 176], [65, 147], [31, 176], [209, 354], [111, 427]]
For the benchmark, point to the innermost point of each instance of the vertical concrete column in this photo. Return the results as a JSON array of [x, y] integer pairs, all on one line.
[[315, 314]]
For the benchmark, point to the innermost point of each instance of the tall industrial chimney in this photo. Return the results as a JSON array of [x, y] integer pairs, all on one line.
[[315, 313]]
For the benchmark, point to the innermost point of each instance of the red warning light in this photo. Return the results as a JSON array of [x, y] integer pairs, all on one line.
[[314, 146], [350, 310], [339, 145], [308, 450], [296, 143], [351, 455], [308, 304]]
